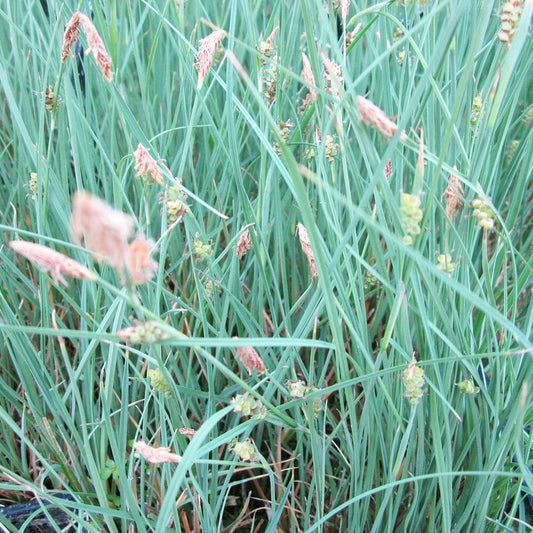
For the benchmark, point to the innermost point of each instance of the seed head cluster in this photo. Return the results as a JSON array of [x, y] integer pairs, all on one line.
[[95, 42]]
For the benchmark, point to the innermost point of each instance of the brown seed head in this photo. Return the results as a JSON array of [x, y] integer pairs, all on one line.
[[309, 77], [156, 455], [96, 45], [307, 250], [72, 31], [204, 58], [146, 165], [350, 36], [388, 169], [250, 359], [188, 432], [372, 115], [103, 230], [139, 264], [244, 244], [454, 194], [333, 76], [51, 261]]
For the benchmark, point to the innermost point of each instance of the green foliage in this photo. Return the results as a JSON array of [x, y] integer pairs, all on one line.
[[252, 148]]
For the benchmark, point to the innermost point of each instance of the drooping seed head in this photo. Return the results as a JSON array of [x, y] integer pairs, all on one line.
[[51, 261]]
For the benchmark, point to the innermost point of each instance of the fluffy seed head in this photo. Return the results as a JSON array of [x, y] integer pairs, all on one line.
[[372, 115], [103, 230], [250, 359], [51, 261], [146, 165], [155, 455], [140, 266], [96, 45], [72, 32], [204, 58]]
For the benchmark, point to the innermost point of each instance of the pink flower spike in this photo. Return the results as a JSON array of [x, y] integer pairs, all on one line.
[[51, 261]]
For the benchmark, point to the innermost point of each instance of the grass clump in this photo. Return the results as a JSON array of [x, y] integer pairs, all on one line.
[[279, 269]]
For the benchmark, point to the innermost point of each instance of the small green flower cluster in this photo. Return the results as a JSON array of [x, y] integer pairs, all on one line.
[[467, 386], [210, 286], [245, 450], [445, 263], [147, 332], [371, 282], [159, 382], [174, 202], [298, 389], [411, 214], [266, 48], [202, 250], [284, 130], [331, 148], [511, 149], [51, 100], [413, 379], [477, 106], [528, 117], [33, 185], [249, 406], [270, 81], [484, 213]]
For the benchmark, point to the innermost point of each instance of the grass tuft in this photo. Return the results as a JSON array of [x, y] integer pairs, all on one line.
[[298, 239]]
